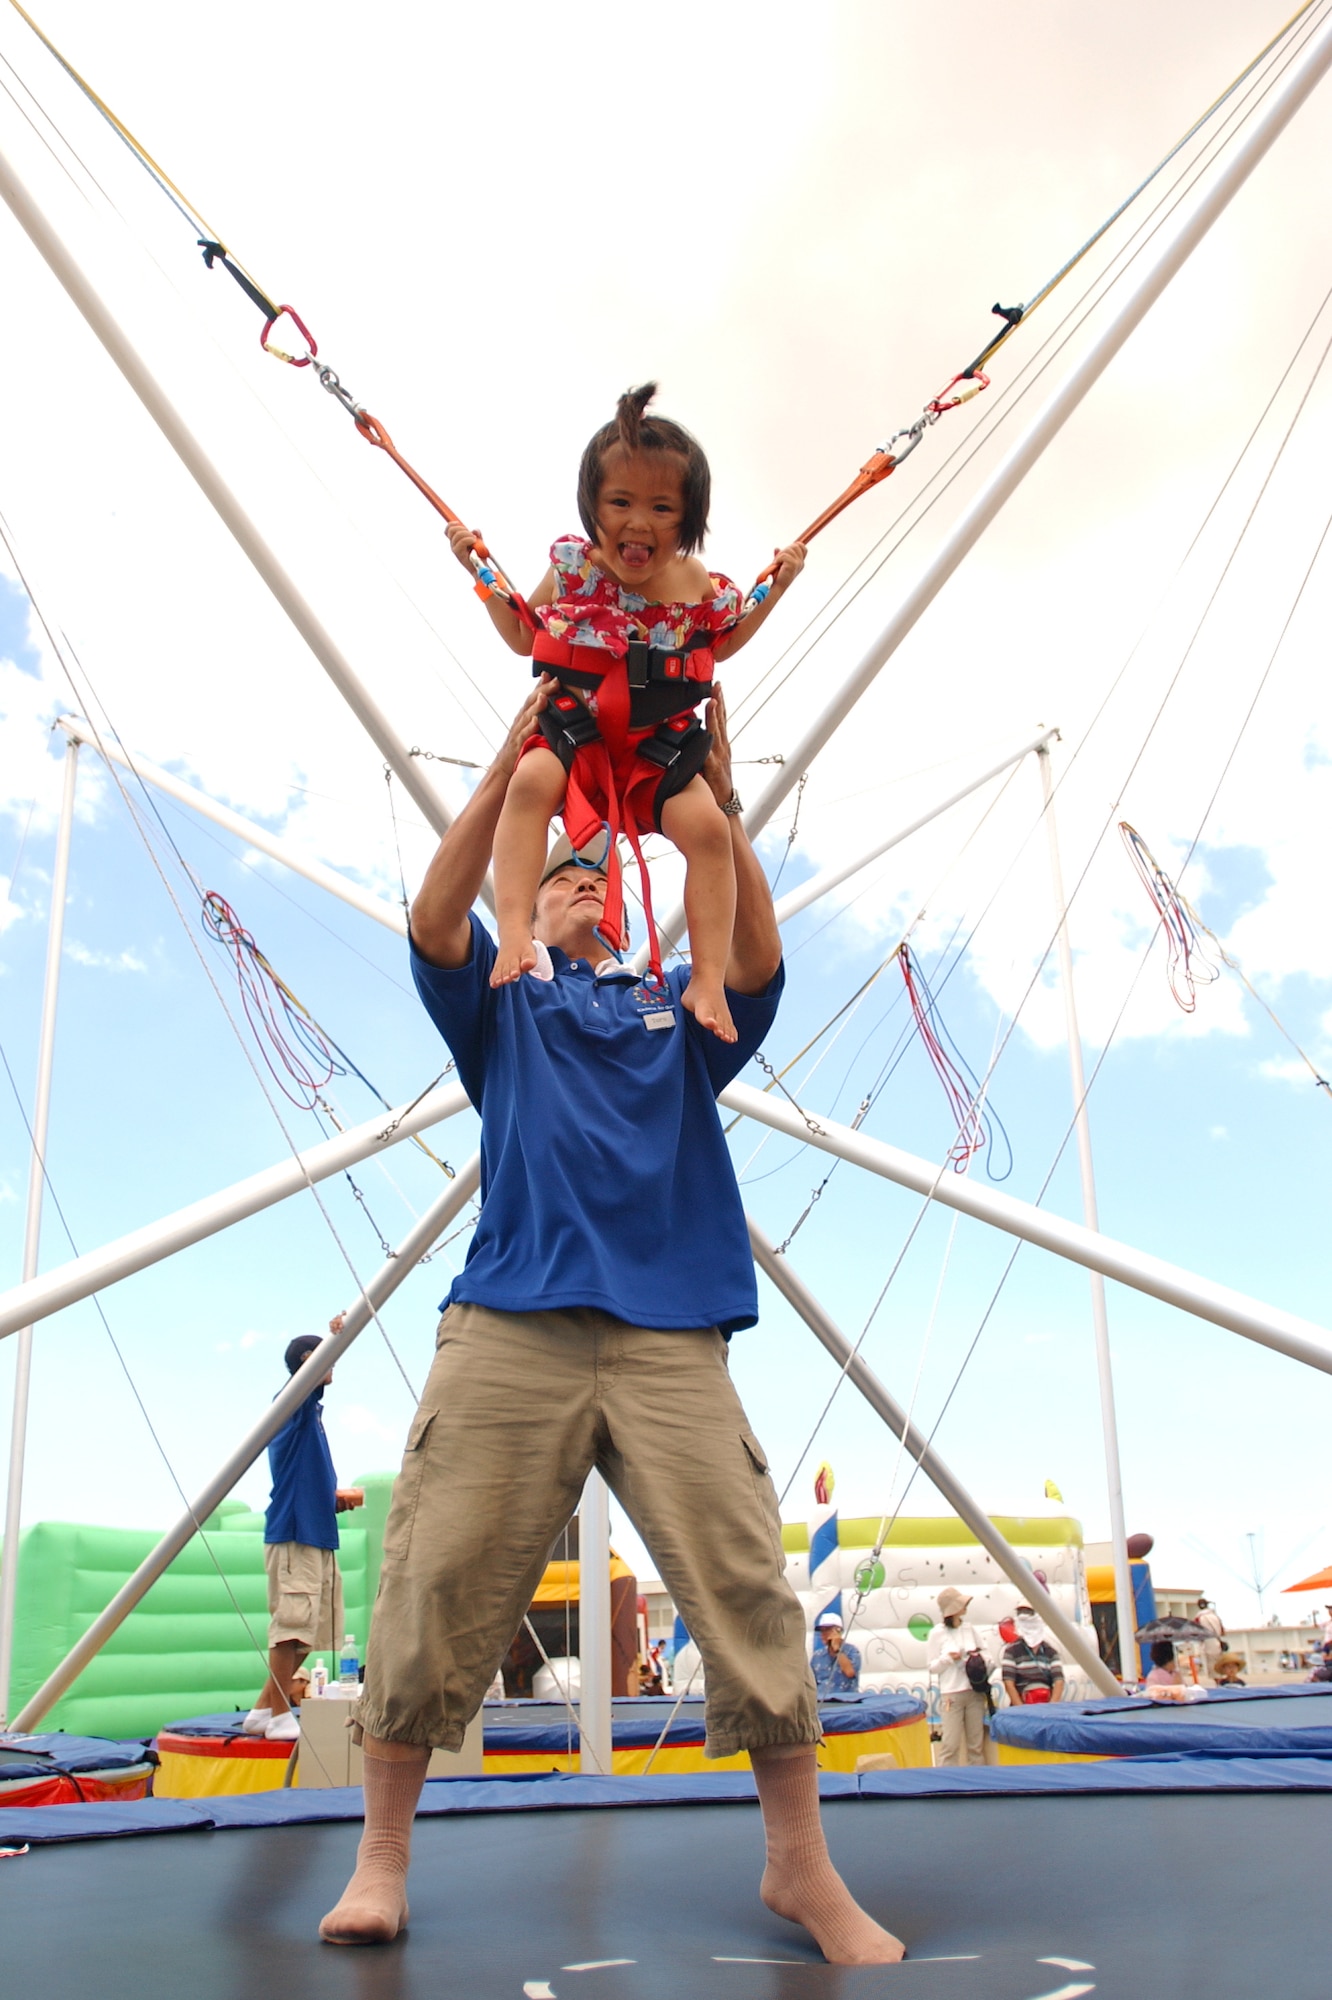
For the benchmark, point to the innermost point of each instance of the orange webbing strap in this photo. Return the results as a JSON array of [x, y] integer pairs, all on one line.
[[490, 577], [871, 472]]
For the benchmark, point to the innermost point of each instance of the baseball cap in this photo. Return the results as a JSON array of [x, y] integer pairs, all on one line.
[[825, 1619]]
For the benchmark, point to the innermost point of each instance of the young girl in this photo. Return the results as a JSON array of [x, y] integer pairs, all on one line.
[[631, 622]]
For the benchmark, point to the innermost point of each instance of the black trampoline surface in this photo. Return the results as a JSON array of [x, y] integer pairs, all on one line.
[[998, 1898]]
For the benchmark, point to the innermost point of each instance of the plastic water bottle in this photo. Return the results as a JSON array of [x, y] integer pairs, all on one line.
[[349, 1666]]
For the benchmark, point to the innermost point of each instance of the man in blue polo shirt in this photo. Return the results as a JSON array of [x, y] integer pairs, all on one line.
[[589, 1328], [300, 1550]]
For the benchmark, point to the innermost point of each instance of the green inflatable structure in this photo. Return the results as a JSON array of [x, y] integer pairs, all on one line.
[[196, 1644]]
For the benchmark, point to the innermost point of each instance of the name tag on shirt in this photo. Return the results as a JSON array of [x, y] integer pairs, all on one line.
[[663, 1018]]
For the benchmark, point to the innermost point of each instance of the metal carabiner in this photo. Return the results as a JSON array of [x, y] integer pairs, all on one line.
[[293, 360], [328, 379]]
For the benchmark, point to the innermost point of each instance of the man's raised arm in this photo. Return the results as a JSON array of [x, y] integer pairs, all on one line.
[[756, 944], [440, 930]]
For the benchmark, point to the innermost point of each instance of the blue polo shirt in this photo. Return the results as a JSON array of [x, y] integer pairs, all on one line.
[[303, 1506], [605, 1177]]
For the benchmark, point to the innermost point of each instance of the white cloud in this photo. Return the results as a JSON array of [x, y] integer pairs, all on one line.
[[125, 960]]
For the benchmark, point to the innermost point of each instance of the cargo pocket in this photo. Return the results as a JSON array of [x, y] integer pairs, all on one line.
[[764, 1494], [407, 1489]]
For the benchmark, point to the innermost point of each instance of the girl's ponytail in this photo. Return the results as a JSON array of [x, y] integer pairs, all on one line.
[[629, 415]]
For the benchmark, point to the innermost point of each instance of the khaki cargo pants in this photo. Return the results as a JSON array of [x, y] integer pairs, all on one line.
[[517, 1409]]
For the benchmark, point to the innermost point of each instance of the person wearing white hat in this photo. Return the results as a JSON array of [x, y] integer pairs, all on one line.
[[955, 1653], [836, 1662]]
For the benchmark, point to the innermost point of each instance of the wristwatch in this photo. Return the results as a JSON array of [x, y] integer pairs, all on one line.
[[733, 805]]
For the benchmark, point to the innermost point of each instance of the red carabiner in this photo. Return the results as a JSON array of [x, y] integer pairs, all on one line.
[[293, 360], [975, 380]]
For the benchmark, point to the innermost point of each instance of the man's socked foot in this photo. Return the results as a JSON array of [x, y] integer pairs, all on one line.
[[823, 1905], [371, 1910], [707, 1004], [513, 957]]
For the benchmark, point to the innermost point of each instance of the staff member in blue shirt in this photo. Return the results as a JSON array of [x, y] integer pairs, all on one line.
[[589, 1328], [836, 1662], [300, 1550]]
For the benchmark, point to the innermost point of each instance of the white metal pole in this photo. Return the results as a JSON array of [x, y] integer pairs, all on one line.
[[594, 1629], [188, 448], [1124, 1607], [289, 1399], [32, 1235], [831, 878], [63, 1286], [1287, 97], [1072, 1637], [391, 915], [1284, 1332]]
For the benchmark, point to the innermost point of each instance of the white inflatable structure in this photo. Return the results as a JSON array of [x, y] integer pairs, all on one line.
[[889, 1602]]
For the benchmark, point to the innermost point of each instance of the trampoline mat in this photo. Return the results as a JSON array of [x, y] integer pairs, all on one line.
[[997, 1898]]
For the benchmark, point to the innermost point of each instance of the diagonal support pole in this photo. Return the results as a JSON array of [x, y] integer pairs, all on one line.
[[70, 1282], [1072, 1637], [1285, 100], [284, 1405], [1284, 1332]]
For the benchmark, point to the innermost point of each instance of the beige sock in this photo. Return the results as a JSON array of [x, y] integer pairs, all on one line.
[[373, 1906], [800, 1882]]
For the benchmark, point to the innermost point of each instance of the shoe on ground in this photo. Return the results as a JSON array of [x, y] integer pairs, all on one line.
[[284, 1728], [256, 1722]]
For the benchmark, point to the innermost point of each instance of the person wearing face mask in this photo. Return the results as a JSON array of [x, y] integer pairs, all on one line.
[[966, 1706], [1033, 1671]]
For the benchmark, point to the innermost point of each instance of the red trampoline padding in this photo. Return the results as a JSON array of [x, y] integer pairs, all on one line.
[[171, 1745]]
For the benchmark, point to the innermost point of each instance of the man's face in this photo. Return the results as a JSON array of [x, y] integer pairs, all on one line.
[[832, 1638], [569, 906]]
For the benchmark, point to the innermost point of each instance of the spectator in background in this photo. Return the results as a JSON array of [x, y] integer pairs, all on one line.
[[300, 1550], [836, 1664], [1033, 1671], [966, 1706], [1209, 1618], [1163, 1670], [1227, 1670]]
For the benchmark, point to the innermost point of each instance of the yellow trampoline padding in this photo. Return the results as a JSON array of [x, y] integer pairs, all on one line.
[[216, 1777], [1009, 1753], [908, 1745]]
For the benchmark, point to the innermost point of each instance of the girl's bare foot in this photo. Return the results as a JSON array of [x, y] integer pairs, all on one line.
[[513, 957], [706, 1001]]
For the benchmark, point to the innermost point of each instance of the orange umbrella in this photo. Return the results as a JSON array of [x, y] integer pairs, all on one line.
[[1321, 1581]]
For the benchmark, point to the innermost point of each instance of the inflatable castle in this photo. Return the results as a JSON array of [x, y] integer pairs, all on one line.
[[883, 1578]]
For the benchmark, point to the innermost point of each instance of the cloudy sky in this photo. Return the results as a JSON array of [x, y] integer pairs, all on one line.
[[796, 219]]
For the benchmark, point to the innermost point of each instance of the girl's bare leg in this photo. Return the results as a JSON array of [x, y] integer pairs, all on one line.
[[535, 795], [696, 824]]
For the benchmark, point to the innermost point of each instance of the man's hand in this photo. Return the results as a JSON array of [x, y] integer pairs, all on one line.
[[717, 769], [335, 1324], [345, 1497], [506, 757]]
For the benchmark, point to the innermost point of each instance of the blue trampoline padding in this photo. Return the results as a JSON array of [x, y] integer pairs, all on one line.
[[55, 1751], [569, 1791], [1231, 1722], [102, 1819], [1125, 1774], [857, 1716], [227, 1724]]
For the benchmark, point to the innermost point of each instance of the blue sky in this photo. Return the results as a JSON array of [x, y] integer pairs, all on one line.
[[1211, 1147]]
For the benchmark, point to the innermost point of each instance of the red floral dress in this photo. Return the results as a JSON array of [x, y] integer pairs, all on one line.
[[647, 741]]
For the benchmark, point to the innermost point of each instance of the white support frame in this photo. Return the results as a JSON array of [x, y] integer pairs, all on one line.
[[391, 915], [1284, 1332], [64, 1286]]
